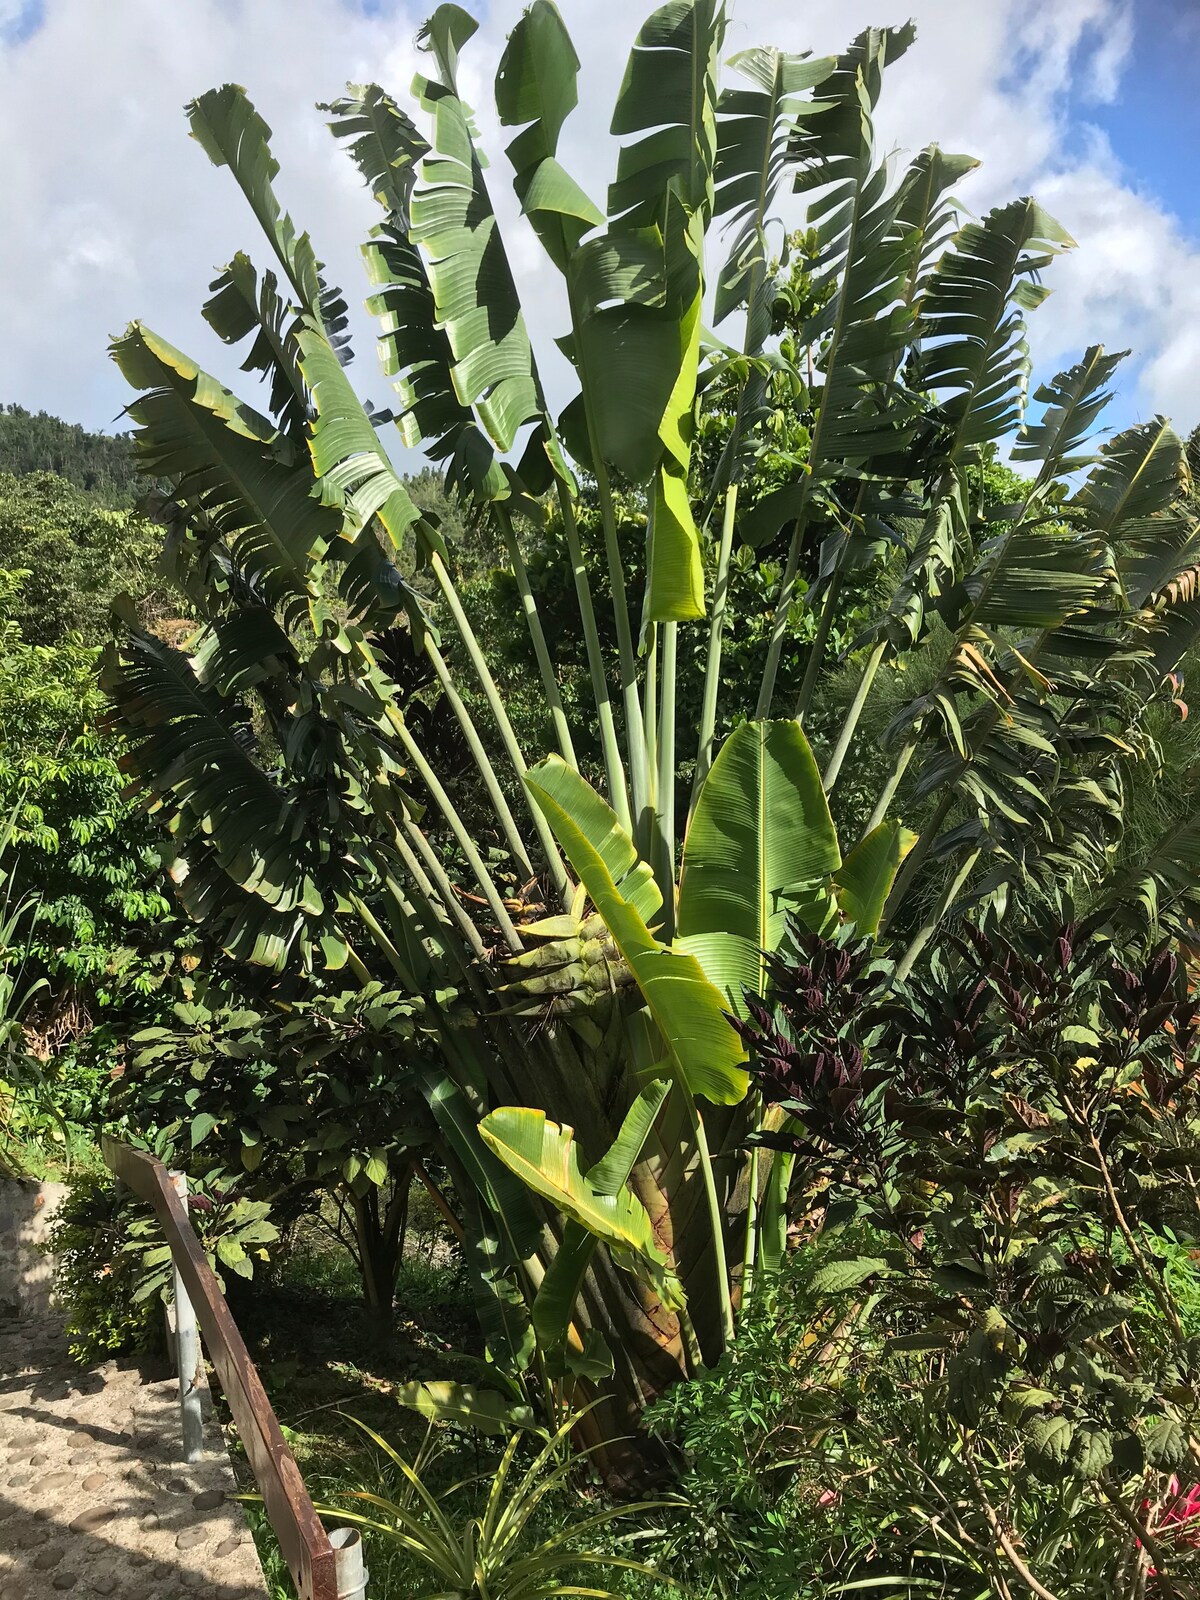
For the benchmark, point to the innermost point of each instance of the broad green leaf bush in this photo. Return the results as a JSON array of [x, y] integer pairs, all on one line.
[[112, 1266]]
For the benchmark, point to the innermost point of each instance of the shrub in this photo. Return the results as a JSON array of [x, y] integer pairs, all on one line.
[[97, 1276], [983, 1364]]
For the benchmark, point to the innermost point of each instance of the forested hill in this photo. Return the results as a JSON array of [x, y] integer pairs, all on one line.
[[101, 463]]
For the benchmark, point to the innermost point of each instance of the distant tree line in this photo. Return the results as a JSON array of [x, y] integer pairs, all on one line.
[[101, 463]]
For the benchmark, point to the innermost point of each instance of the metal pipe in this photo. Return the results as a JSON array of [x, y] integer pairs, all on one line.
[[187, 1348], [352, 1575]]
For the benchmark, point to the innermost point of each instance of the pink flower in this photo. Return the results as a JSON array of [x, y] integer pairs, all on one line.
[[1181, 1510], [1179, 1523]]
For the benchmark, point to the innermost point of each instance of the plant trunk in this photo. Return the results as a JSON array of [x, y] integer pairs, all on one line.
[[380, 1233]]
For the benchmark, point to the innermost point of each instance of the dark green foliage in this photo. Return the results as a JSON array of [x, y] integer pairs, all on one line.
[[104, 933], [296, 1097], [1001, 1161], [72, 555], [113, 1267], [96, 1277], [101, 463]]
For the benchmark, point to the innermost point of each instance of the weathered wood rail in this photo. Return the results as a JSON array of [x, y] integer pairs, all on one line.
[[323, 1566]]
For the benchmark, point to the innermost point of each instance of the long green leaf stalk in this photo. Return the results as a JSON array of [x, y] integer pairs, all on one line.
[[614, 769], [533, 621], [929, 927], [436, 875], [850, 722], [716, 638], [508, 822], [750, 1245], [635, 733], [558, 873], [716, 1215], [915, 859], [887, 794], [816, 654], [664, 810], [783, 606], [465, 843]]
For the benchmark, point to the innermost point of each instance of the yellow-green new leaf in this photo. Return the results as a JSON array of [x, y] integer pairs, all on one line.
[[485, 1410], [689, 1010], [676, 591], [544, 1156], [864, 880], [760, 832]]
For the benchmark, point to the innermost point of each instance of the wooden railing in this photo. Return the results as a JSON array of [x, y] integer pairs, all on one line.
[[323, 1566]]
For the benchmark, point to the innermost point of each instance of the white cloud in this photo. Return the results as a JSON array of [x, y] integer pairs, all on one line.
[[111, 212]]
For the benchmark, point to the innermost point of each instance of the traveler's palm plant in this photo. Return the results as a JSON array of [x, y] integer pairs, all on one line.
[[592, 1112]]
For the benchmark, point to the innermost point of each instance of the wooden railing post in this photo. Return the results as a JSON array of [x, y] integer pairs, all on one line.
[[304, 1544], [187, 1348]]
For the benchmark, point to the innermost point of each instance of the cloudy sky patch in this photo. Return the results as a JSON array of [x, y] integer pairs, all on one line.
[[111, 212]]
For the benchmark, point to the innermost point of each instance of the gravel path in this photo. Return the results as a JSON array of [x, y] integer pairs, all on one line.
[[94, 1496]]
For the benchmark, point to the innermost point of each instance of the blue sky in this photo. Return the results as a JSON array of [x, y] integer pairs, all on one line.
[[1153, 124], [111, 212]]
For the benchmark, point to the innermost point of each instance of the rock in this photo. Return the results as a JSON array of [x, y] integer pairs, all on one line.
[[103, 1582], [65, 1580], [209, 1500], [39, 1459], [91, 1519], [20, 1479], [48, 1558], [228, 1546], [56, 1481], [190, 1538], [162, 1569], [81, 1458], [94, 1481], [95, 1547], [150, 1520]]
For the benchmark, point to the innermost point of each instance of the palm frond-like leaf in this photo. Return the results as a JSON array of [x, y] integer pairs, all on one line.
[[668, 97], [754, 136], [257, 862], [414, 350], [232, 134], [229, 463], [240, 306], [452, 220], [974, 352], [1072, 401]]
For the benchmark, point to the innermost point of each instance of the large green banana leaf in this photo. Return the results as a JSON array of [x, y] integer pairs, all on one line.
[[544, 1155], [558, 1290], [761, 832], [689, 1010]]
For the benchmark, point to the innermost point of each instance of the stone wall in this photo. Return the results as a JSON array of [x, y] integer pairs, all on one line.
[[26, 1275]]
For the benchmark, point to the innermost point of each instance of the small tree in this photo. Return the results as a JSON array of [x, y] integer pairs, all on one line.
[[316, 1097]]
